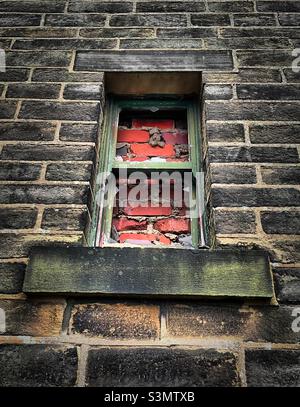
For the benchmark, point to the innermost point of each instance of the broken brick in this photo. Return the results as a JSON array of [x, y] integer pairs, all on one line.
[[138, 242], [173, 225], [148, 211], [160, 124], [150, 139], [164, 240], [176, 138], [149, 151], [129, 224], [143, 236], [181, 150], [133, 136]]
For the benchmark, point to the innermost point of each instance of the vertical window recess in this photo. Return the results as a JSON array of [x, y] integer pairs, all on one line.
[[150, 184]]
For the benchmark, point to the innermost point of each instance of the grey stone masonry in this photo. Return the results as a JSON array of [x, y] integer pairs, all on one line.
[[52, 102]]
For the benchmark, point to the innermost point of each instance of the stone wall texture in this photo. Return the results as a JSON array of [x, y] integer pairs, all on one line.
[[51, 102]]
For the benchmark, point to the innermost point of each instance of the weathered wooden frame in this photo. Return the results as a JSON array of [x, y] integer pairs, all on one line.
[[102, 217]]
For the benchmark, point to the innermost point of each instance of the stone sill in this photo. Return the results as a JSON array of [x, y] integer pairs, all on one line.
[[149, 272]]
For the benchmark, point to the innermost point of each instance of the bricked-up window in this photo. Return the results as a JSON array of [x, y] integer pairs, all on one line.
[[150, 181]]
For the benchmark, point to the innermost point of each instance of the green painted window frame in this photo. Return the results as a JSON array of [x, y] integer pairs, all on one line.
[[100, 228]]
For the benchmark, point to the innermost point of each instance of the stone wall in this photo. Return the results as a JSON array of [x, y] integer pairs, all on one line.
[[50, 107]]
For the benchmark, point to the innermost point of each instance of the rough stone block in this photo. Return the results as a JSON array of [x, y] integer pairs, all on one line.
[[148, 20], [78, 132], [287, 284], [283, 222], [275, 368], [161, 367], [248, 20], [19, 245], [265, 111], [38, 365], [14, 74], [254, 324], [117, 32], [33, 318], [275, 133], [186, 32], [284, 6], [7, 109], [231, 6], [225, 132], [233, 174], [17, 218], [116, 320], [19, 171], [11, 277], [99, 6], [269, 92], [27, 131], [63, 75], [69, 172], [219, 92], [38, 58], [170, 6], [49, 152], [75, 20], [281, 175], [83, 91], [75, 111], [210, 20], [220, 154], [238, 196], [33, 6], [232, 222], [33, 91], [64, 219], [47, 194], [22, 20], [67, 44]]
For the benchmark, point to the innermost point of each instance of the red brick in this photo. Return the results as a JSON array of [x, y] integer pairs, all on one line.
[[148, 211], [129, 224], [143, 236], [149, 151], [176, 138], [161, 124], [173, 225], [164, 240], [133, 136]]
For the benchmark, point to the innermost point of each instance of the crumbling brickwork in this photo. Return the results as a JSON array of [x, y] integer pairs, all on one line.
[[50, 108], [161, 217]]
